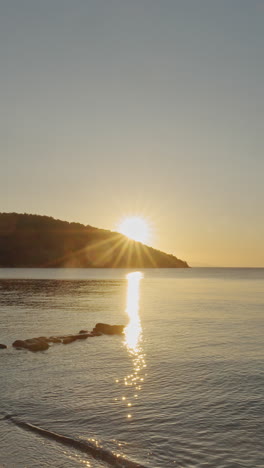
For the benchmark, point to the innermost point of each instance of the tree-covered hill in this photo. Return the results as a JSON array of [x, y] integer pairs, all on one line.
[[41, 241]]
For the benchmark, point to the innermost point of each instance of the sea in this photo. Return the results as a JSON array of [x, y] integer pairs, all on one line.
[[182, 387]]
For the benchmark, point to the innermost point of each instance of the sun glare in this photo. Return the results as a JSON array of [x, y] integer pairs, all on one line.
[[135, 228]]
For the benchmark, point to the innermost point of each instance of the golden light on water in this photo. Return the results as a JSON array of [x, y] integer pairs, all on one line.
[[133, 329], [133, 336], [134, 344], [135, 228]]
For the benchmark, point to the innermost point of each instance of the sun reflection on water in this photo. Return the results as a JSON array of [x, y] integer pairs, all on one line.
[[133, 330], [133, 341]]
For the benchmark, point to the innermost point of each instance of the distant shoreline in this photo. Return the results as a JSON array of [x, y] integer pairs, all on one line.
[[99, 268]]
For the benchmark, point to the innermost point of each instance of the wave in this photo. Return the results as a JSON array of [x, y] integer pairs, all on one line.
[[87, 447]]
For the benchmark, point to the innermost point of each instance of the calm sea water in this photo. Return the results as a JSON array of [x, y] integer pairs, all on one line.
[[183, 387]]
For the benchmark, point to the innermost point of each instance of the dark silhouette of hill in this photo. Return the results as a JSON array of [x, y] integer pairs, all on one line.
[[41, 241]]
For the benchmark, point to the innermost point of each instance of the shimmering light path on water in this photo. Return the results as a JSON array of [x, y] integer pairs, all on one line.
[[133, 341]]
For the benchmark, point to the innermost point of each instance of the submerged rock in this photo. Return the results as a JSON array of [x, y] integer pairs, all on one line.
[[107, 329], [69, 339], [3, 346], [31, 341], [54, 339], [82, 336], [19, 344], [95, 333], [83, 331], [38, 345], [32, 344]]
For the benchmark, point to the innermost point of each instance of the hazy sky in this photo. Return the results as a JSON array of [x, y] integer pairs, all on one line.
[[147, 107]]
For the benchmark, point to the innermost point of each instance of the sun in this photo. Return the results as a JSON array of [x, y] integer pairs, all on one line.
[[135, 228]]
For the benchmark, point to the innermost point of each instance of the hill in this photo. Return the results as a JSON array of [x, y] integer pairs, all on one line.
[[41, 241]]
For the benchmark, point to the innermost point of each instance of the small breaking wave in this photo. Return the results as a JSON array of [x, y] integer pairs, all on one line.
[[87, 447]]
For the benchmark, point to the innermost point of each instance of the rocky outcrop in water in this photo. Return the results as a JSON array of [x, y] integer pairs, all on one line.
[[43, 343], [106, 329], [32, 344], [3, 346]]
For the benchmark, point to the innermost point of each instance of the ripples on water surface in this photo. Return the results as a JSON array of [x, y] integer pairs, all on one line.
[[183, 387]]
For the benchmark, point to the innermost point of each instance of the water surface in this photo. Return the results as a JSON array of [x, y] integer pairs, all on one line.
[[183, 387]]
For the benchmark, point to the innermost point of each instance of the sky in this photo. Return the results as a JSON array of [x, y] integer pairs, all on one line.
[[154, 108]]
